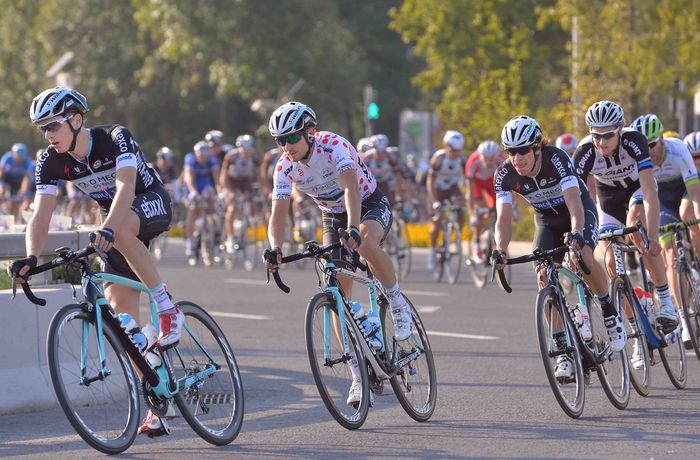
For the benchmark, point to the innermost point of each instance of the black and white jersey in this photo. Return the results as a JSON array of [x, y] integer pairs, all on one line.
[[111, 148], [619, 171], [544, 191]]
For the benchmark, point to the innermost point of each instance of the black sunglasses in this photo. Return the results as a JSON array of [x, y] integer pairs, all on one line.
[[605, 135], [520, 150], [291, 139], [653, 143]]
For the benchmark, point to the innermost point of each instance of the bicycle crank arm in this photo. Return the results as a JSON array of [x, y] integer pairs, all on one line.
[[407, 359]]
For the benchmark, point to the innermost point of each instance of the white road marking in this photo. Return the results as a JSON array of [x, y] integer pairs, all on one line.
[[428, 308], [462, 336], [245, 281], [425, 293], [239, 315]]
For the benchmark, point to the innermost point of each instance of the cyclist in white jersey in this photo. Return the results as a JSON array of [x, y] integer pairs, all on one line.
[[616, 163], [678, 182], [327, 167]]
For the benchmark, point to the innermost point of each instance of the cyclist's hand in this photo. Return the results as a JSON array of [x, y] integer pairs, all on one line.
[[104, 239], [575, 240], [436, 205], [499, 258], [272, 259], [354, 239], [639, 243], [654, 247], [20, 267], [194, 194]]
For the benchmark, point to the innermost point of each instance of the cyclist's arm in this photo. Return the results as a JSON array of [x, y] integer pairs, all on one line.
[[353, 201], [189, 179], [38, 226], [651, 202], [223, 173], [216, 172], [504, 226], [694, 194], [572, 198], [592, 189], [278, 222], [121, 204], [431, 180]]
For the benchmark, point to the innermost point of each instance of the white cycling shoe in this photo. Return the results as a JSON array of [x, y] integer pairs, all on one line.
[[616, 332]]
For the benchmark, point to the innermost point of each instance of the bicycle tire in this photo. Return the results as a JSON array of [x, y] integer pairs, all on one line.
[[636, 336], [392, 249], [188, 357], [479, 269], [332, 389], [406, 249], [613, 373], [404, 384], [571, 398], [673, 355], [453, 257], [81, 402], [207, 242], [690, 301]]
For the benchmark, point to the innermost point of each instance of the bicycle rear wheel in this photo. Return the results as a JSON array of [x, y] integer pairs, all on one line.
[[612, 367], [570, 393], [415, 385], [690, 300], [673, 354], [453, 256], [636, 345], [104, 412], [330, 365], [213, 405]]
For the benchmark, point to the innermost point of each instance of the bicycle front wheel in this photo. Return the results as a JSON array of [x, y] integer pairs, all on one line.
[[212, 404], [690, 300], [453, 255], [636, 347], [415, 384], [403, 248], [570, 392], [103, 410], [330, 365], [612, 367]]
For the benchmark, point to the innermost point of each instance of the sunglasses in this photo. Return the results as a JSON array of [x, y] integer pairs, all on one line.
[[291, 139], [519, 150], [605, 135], [54, 126], [653, 143]]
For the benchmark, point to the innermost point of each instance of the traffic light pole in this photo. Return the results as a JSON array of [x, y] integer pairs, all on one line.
[[368, 96]]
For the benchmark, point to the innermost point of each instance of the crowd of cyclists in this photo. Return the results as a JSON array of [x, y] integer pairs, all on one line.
[[615, 176]]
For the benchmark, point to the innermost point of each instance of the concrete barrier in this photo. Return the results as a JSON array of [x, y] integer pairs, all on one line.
[[25, 382]]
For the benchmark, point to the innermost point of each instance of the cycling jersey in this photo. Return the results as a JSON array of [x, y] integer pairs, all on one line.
[[12, 172], [270, 162], [676, 171], [382, 166], [241, 171], [330, 155], [111, 148], [447, 172], [482, 177], [203, 173], [544, 191], [167, 175]]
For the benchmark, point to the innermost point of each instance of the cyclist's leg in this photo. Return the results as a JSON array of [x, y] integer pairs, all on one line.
[[230, 197], [669, 253], [688, 213]]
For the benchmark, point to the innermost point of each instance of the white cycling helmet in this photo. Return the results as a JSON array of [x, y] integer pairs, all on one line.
[[489, 149], [605, 113], [567, 142], [364, 145], [56, 101], [202, 146], [521, 131], [379, 141], [692, 140], [165, 153], [245, 141], [215, 136], [290, 118], [453, 140]]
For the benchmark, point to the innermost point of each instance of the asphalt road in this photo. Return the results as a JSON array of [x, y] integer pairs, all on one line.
[[493, 397]]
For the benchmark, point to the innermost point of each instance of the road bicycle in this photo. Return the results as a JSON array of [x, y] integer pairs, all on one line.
[[92, 362], [687, 269], [334, 338], [207, 233], [480, 267], [397, 243], [247, 246], [304, 229], [644, 336], [448, 254], [559, 334]]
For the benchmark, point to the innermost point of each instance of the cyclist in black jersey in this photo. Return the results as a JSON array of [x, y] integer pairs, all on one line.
[[543, 176], [615, 162], [108, 164]]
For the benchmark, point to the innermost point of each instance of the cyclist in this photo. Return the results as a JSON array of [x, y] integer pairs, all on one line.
[[239, 172], [480, 169], [107, 163], [201, 167], [615, 162], [382, 165], [568, 143], [15, 165], [692, 141], [445, 179], [364, 145], [327, 167], [215, 140], [678, 181], [543, 175]]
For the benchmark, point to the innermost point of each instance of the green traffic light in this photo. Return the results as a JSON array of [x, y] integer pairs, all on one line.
[[373, 111]]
